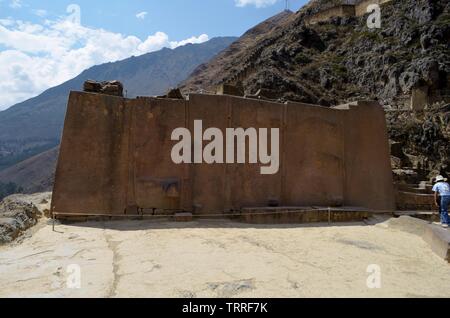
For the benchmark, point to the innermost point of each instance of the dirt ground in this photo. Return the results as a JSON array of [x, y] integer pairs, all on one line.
[[220, 259]]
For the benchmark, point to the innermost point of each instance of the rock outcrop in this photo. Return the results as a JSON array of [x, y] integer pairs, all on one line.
[[18, 213], [420, 143]]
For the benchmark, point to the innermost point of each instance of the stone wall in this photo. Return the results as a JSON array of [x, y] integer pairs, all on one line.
[[338, 11], [344, 10], [115, 157]]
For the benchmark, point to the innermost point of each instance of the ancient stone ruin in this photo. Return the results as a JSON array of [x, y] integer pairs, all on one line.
[[343, 9], [115, 157]]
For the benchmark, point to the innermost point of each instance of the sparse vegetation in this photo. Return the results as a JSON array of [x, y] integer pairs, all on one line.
[[372, 36], [302, 59]]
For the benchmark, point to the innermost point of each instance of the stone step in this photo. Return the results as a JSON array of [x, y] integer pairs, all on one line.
[[299, 215], [439, 240], [435, 236], [431, 216]]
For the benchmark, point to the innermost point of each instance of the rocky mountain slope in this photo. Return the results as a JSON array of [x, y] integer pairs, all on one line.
[[342, 60], [420, 143], [33, 175], [34, 126], [213, 70]]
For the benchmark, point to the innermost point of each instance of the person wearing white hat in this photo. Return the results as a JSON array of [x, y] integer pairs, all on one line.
[[442, 198]]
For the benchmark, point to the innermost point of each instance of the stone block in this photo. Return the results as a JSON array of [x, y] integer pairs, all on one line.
[[175, 94], [183, 217], [114, 88]]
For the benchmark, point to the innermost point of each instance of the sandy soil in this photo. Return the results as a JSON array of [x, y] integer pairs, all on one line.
[[221, 259]]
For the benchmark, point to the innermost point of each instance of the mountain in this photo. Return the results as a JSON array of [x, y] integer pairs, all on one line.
[[33, 175], [30, 131], [207, 73], [34, 126], [339, 59]]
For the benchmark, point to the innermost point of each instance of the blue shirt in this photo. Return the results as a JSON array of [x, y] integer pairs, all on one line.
[[443, 188]]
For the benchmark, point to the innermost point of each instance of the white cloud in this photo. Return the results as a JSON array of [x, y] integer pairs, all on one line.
[[256, 3], [16, 4], [141, 15], [40, 56], [40, 12], [194, 40], [7, 21]]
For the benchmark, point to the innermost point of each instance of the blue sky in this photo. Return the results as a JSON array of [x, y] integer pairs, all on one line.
[[47, 42], [178, 18]]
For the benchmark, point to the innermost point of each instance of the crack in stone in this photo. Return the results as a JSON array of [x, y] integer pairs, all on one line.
[[35, 254], [274, 251], [112, 245]]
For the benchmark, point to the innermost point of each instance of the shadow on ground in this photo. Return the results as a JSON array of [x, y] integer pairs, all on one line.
[[165, 224]]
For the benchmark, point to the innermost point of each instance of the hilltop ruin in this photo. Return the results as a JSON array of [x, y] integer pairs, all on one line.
[[342, 9]]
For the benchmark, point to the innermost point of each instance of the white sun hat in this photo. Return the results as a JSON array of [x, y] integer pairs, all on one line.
[[440, 178]]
